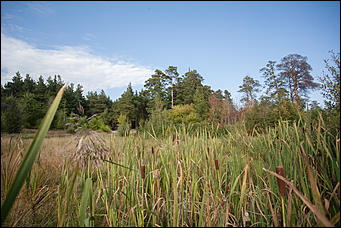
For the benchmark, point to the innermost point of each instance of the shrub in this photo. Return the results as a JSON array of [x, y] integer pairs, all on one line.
[[123, 125], [185, 114], [97, 124], [266, 114]]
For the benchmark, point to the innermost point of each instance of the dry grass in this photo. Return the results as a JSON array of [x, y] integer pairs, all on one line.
[[35, 204]]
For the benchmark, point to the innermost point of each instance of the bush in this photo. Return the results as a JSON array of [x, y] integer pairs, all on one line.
[[123, 125], [183, 114], [265, 114], [97, 124]]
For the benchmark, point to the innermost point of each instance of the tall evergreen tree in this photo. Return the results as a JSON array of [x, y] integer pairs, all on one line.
[[275, 88], [295, 71], [155, 86], [200, 103], [16, 87], [29, 84], [126, 104], [172, 74], [189, 83], [249, 88]]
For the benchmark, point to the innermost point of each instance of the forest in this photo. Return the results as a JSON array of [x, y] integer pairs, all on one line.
[[176, 153], [171, 98]]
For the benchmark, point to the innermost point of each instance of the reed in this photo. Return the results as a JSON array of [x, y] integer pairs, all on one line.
[[199, 179]]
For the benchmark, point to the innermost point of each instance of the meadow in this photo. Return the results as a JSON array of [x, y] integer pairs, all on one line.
[[182, 178]]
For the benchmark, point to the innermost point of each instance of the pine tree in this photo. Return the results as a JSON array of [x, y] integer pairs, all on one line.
[[275, 87], [249, 88], [295, 71], [200, 103]]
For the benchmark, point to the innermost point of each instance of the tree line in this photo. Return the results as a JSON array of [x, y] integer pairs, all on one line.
[[179, 99]]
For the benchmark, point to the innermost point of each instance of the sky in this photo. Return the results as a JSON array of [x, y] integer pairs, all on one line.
[[107, 45]]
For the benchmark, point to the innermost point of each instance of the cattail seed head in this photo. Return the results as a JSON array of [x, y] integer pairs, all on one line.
[[248, 132], [216, 164], [173, 138], [152, 150], [142, 171], [227, 188], [281, 184]]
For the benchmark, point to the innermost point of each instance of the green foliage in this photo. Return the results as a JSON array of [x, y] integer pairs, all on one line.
[[183, 114], [59, 120], [30, 110], [275, 88], [123, 125], [77, 123], [295, 73], [11, 115], [200, 103], [126, 103], [266, 114], [249, 88], [331, 90], [97, 103], [187, 86], [97, 124]]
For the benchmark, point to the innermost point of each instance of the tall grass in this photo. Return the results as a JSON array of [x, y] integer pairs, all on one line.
[[186, 178], [29, 158]]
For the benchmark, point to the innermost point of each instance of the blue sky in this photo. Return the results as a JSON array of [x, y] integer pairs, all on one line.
[[106, 45]]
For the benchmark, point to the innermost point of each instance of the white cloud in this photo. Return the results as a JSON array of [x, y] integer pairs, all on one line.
[[74, 64]]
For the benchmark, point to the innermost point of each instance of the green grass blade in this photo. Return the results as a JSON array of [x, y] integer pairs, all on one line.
[[84, 202], [27, 163]]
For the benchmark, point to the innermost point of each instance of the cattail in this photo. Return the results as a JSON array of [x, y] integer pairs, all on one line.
[[177, 139], [281, 184], [142, 171], [152, 150], [227, 188], [248, 132], [208, 185], [216, 164], [173, 138]]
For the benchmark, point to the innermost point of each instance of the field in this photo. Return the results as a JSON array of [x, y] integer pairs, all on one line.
[[181, 179]]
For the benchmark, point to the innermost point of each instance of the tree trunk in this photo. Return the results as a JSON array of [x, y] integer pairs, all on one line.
[[290, 90], [279, 96], [251, 99], [294, 80], [172, 92]]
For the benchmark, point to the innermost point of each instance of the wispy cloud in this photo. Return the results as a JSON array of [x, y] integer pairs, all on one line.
[[88, 36], [40, 7], [74, 64]]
